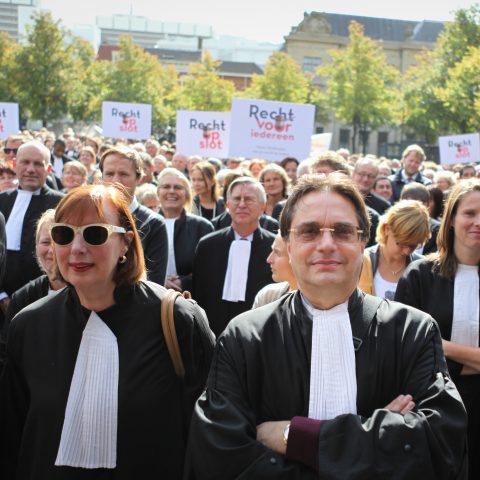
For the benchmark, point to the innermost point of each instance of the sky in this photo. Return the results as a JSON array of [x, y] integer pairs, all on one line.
[[260, 20]]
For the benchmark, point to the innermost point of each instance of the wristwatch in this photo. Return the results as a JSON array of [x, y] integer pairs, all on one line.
[[286, 431]]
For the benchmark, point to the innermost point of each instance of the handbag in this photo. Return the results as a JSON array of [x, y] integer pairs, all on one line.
[[168, 327]]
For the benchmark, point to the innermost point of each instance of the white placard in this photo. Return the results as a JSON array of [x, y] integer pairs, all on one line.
[[9, 124], [203, 133], [127, 120], [321, 142], [459, 148], [270, 130]]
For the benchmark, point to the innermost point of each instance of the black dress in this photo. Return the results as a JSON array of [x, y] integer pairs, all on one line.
[[154, 406], [420, 287]]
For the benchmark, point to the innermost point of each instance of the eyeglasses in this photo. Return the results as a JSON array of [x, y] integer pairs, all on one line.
[[247, 200], [95, 234], [10, 150], [366, 175], [341, 232]]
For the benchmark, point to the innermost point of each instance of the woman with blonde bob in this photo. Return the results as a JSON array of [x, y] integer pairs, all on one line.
[[446, 285], [89, 389], [403, 229]]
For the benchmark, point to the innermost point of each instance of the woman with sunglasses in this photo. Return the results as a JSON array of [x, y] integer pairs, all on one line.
[[183, 228], [89, 389], [445, 284], [402, 229]]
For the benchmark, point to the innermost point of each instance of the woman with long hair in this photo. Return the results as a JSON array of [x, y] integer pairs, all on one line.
[[446, 285], [206, 202]]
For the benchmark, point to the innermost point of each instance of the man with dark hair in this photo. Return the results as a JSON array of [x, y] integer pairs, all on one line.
[[230, 264], [328, 382], [124, 166]]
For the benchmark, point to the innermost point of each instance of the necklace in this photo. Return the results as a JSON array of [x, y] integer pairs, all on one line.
[[393, 272]]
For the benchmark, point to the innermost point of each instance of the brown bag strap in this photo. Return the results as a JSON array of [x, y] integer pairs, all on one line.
[[169, 333]]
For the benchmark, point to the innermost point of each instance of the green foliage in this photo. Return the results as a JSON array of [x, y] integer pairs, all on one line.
[[45, 70], [204, 90], [283, 81], [361, 85], [8, 84], [435, 95]]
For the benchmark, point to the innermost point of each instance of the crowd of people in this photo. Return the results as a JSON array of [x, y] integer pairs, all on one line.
[[302, 356]]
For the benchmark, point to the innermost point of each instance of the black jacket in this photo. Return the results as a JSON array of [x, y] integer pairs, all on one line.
[[398, 183], [379, 204], [266, 222]]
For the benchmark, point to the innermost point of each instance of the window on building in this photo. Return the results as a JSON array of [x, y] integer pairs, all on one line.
[[344, 140], [319, 130], [382, 143], [310, 64]]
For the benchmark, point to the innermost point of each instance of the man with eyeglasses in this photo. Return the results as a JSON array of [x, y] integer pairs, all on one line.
[[230, 264], [22, 207], [125, 166], [364, 175], [328, 382]]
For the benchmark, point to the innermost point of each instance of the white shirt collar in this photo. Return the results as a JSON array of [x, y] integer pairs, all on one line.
[[134, 204]]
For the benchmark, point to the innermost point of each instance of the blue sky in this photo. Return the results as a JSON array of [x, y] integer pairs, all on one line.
[[259, 20]]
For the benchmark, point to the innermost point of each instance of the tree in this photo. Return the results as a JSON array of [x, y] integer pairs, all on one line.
[[203, 89], [45, 69], [138, 77], [429, 107], [283, 81], [8, 84], [361, 85]]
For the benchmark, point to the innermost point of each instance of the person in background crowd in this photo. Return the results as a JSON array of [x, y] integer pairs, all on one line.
[[184, 229], [10, 149], [384, 169], [58, 159], [192, 161], [8, 177], [383, 188], [467, 171], [436, 204], [217, 164], [148, 169], [46, 284], [206, 202], [234, 162], [124, 165], [93, 143], [446, 286], [275, 181], [413, 157], [71, 150], [88, 157], [152, 147], [328, 382], [401, 230], [328, 162], [148, 197], [74, 175], [89, 390], [230, 265], [444, 180], [364, 175], [344, 153], [290, 165], [256, 166], [282, 274], [160, 162], [22, 208], [180, 162], [225, 220]]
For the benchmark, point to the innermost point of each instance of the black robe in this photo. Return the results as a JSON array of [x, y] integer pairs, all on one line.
[[261, 372], [154, 406]]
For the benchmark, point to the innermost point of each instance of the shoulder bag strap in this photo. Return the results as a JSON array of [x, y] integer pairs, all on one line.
[[169, 333]]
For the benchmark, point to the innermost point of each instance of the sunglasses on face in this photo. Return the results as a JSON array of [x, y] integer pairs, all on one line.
[[10, 150], [95, 234]]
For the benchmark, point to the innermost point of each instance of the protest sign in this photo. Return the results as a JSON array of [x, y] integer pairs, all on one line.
[[203, 133], [9, 124], [270, 130], [459, 148], [127, 120], [321, 142]]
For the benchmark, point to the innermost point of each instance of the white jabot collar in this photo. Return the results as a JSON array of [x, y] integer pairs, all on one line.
[[236, 276], [333, 380]]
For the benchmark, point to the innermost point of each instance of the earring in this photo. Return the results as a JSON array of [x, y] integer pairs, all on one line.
[[122, 259]]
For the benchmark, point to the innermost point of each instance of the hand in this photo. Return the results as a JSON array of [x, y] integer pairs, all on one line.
[[173, 281], [402, 404], [4, 304], [270, 434]]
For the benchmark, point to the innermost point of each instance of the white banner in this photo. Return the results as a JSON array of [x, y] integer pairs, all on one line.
[[459, 148], [127, 120], [9, 124], [203, 133], [321, 142], [271, 130]]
